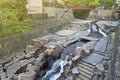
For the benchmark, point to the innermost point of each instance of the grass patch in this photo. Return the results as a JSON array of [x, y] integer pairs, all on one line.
[[13, 28]]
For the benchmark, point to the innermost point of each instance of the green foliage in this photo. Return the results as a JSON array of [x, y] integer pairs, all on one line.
[[13, 28], [108, 3], [82, 14], [14, 15], [93, 3]]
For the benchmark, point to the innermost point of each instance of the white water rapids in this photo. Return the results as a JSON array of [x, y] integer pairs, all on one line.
[[53, 74], [95, 28]]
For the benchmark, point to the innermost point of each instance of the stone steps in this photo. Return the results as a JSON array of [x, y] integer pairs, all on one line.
[[86, 70], [86, 64]]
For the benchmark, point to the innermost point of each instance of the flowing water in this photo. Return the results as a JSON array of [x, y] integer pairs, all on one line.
[[56, 71], [96, 32], [58, 67]]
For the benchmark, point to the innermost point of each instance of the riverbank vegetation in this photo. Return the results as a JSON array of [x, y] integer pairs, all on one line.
[[83, 14], [13, 17]]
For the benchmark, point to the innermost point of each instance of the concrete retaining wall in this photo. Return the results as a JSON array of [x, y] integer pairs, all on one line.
[[104, 14]]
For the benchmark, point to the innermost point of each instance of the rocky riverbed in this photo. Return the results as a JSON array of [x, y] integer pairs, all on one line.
[[78, 52]]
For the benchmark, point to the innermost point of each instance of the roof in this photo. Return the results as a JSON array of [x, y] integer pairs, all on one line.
[[82, 8]]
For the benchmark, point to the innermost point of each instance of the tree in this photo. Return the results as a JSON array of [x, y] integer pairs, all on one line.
[[14, 16], [14, 9], [93, 3], [107, 3]]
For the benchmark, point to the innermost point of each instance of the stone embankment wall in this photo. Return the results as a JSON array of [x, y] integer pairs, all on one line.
[[113, 69], [104, 14]]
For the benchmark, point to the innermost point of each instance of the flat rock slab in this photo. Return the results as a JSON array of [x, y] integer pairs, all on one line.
[[101, 45], [89, 38], [79, 21], [79, 34], [58, 38], [65, 32], [50, 45], [109, 23], [11, 70], [93, 58]]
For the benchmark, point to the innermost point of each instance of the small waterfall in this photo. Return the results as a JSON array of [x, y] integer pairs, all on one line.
[[94, 28], [56, 71], [96, 32]]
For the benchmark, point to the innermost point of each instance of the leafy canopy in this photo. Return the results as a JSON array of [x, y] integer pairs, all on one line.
[[14, 15]]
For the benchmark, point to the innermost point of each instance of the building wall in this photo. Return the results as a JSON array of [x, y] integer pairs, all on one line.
[[35, 7]]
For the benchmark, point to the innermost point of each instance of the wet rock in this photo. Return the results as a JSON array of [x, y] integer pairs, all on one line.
[[69, 78], [30, 49], [75, 70], [55, 51], [70, 63], [71, 55], [67, 71]]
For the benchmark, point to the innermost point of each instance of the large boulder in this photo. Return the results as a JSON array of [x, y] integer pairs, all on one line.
[[84, 51], [54, 49], [38, 42], [79, 52], [30, 49], [89, 47], [57, 50]]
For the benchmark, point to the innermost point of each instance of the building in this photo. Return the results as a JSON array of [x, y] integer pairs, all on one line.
[[35, 7]]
